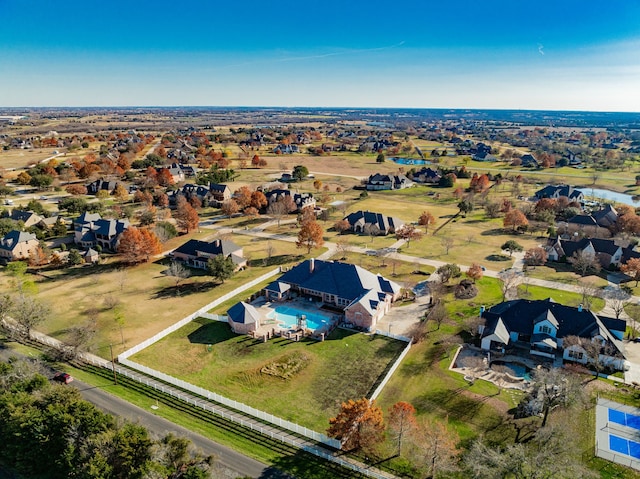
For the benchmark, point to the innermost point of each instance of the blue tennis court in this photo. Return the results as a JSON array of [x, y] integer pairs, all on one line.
[[624, 446], [625, 419]]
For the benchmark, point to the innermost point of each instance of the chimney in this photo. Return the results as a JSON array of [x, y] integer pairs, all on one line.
[[580, 308], [312, 265]]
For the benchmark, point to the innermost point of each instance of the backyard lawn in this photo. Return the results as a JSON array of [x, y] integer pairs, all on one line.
[[303, 382]]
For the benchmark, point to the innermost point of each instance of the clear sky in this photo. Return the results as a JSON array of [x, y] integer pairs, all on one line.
[[548, 54]]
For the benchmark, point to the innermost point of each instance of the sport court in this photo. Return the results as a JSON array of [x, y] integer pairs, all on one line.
[[618, 433]]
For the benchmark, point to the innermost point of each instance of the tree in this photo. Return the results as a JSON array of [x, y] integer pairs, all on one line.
[[278, 209], [221, 267], [515, 219], [41, 181], [317, 184], [24, 178], [510, 279], [310, 235], [59, 228], [408, 232], [299, 172], [138, 245], [632, 269], [229, 207], [164, 177], [616, 299], [535, 256], [426, 219], [255, 161], [120, 192], [465, 206], [165, 230], [258, 200], [251, 212], [474, 272], [178, 272], [434, 449], [584, 262], [447, 243], [341, 226], [358, 425], [186, 216], [28, 312], [380, 158], [492, 208], [401, 422], [448, 271], [242, 197], [511, 246]]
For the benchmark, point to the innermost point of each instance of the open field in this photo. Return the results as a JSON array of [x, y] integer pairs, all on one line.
[[16, 158], [323, 374], [564, 297]]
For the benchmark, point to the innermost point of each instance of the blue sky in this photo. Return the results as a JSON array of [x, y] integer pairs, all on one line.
[[560, 54]]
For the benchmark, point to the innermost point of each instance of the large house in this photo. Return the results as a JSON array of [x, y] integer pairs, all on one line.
[[97, 186], [90, 230], [17, 245], [602, 218], [363, 297], [606, 250], [542, 327], [215, 194], [426, 175], [301, 200], [379, 181], [365, 222], [197, 253], [556, 191], [28, 218]]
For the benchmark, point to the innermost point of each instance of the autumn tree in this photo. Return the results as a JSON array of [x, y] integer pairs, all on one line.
[[434, 449], [186, 216], [401, 422], [358, 425], [242, 196], [310, 235], [258, 200], [317, 184], [474, 272], [138, 245], [426, 219], [229, 207], [76, 190], [251, 212], [408, 232], [535, 256], [515, 219], [632, 269], [511, 246], [120, 192], [164, 177], [255, 161], [341, 226]]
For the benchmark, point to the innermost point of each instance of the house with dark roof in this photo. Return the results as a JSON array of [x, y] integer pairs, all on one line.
[[301, 200], [197, 253], [101, 185], [17, 245], [243, 318], [597, 221], [365, 222], [90, 230], [529, 161], [29, 218], [606, 250], [542, 326], [556, 191], [214, 194], [364, 297], [379, 181], [426, 175]]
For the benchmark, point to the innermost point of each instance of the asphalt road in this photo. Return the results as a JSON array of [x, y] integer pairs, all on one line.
[[234, 463]]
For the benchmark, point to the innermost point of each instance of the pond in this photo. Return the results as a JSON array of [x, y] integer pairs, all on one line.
[[410, 161], [609, 195]]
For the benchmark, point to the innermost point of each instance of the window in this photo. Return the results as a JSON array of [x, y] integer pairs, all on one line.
[[545, 329], [576, 354]]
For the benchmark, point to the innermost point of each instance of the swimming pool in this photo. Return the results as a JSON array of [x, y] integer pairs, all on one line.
[[289, 315], [410, 161], [516, 370]]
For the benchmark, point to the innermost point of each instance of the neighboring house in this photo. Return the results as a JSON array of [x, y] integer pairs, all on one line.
[[177, 175], [426, 175], [197, 253], [301, 200], [363, 296], [556, 191], [215, 194], [484, 156], [362, 221], [283, 149], [542, 326], [379, 181], [187, 171], [16, 245], [90, 230], [101, 185], [90, 256], [608, 253], [603, 218], [29, 218], [529, 161]]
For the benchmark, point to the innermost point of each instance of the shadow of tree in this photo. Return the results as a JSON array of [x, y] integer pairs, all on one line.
[[210, 332], [184, 289]]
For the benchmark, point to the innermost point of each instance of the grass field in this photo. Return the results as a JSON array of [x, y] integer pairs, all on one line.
[[564, 297], [16, 158], [323, 374]]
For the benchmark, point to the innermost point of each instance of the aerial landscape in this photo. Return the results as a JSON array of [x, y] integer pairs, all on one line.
[[320, 240]]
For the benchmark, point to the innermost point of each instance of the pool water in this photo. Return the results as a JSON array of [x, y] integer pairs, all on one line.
[[289, 315], [410, 161], [517, 370]]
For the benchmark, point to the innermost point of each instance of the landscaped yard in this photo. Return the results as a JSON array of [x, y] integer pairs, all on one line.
[[303, 382]]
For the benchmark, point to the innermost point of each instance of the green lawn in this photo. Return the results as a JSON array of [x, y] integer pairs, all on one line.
[[346, 366], [564, 297]]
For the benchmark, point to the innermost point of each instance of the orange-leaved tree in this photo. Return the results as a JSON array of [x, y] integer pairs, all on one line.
[[358, 425], [515, 219], [474, 272], [425, 220], [138, 245], [186, 216], [402, 422], [632, 269], [310, 235]]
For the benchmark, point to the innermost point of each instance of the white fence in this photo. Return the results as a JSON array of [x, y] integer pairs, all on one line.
[[174, 327], [393, 368]]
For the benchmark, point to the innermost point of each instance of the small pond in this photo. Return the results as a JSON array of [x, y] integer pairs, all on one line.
[[409, 161], [608, 195]]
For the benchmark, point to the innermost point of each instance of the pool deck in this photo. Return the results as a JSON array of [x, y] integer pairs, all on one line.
[[268, 325]]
